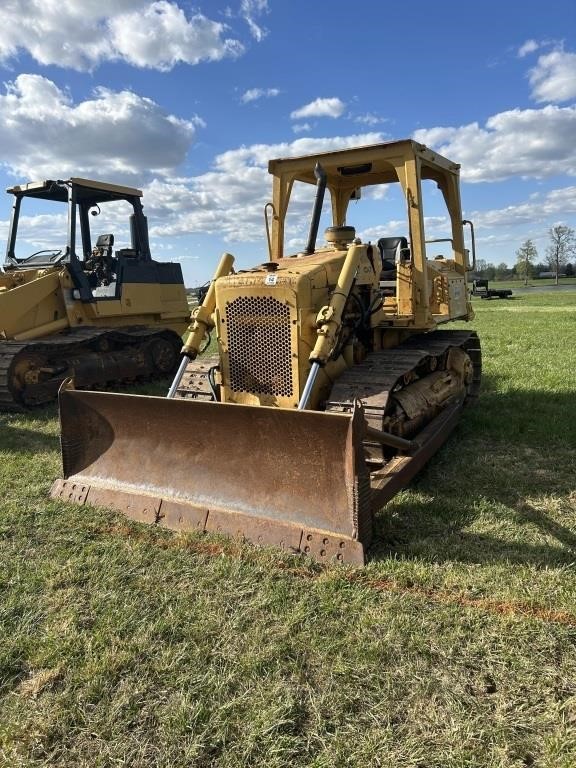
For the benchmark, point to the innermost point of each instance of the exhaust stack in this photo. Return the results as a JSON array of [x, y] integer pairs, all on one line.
[[320, 175]]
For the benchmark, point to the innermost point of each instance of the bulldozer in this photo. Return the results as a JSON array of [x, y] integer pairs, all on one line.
[[335, 379], [84, 310]]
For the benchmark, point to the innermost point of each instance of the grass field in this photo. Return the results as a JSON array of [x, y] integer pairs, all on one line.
[[123, 645]]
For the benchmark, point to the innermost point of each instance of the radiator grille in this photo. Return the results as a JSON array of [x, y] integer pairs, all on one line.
[[259, 349]]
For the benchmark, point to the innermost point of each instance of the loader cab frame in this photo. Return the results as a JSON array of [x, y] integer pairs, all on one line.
[[84, 259]]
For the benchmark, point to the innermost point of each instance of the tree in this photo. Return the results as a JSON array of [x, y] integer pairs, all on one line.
[[485, 269], [502, 271], [540, 267], [562, 244], [569, 270], [525, 257], [481, 265]]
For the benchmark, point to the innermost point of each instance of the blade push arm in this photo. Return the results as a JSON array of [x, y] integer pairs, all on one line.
[[202, 321], [329, 320]]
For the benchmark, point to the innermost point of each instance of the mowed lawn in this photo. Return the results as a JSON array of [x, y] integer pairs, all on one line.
[[122, 645]]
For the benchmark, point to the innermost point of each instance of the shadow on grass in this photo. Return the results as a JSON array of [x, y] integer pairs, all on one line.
[[415, 531], [25, 431], [511, 452], [537, 418], [23, 440]]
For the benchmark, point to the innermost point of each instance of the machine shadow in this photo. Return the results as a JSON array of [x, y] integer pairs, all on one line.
[[21, 440], [447, 541], [480, 498], [18, 437]]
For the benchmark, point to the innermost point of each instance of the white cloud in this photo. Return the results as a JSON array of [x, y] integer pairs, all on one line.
[[259, 154], [197, 121], [331, 107], [112, 135], [301, 127], [369, 119], [159, 36], [556, 202], [497, 226], [154, 34], [251, 8], [554, 77], [37, 232], [373, 234], [253, 94], [527, 143], [528, 47], [229, 199], [503, 230]]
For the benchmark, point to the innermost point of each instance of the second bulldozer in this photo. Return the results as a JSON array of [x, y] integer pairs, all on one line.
[[334, 379], [85, 309]]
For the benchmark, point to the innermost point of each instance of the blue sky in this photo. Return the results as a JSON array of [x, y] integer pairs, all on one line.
[[188, 101]]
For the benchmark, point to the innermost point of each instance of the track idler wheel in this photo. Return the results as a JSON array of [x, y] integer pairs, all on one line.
[[30, 379], [165, 355]]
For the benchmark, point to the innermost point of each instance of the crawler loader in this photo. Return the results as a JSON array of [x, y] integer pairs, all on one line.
[[334, 380], [84, 310]]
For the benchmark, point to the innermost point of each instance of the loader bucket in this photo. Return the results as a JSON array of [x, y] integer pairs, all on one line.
[[294, 479]]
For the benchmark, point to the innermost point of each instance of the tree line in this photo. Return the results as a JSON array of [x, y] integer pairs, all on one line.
[[557, 259]]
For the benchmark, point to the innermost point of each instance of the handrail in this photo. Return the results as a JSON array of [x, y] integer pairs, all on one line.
[[466, 221]]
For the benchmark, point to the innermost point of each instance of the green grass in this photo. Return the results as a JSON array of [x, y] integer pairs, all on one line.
[[123, 645]]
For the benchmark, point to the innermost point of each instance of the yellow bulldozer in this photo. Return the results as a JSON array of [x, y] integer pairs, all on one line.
[[333, 382], [84, 310]]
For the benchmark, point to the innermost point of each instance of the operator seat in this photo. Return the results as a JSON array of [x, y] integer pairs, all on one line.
[[393, 250], [104, 244], [101, 262]]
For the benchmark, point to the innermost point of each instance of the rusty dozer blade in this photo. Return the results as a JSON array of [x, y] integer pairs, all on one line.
[[294, 479]]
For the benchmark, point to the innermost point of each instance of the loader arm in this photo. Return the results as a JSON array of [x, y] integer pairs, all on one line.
[[31, 304]]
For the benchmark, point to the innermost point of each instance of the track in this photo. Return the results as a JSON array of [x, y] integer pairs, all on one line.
[[31, 372], [195, 384], [373, 381], [383, 384], [403, 388]]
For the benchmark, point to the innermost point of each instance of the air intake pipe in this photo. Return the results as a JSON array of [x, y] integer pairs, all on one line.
[[320, 175]]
